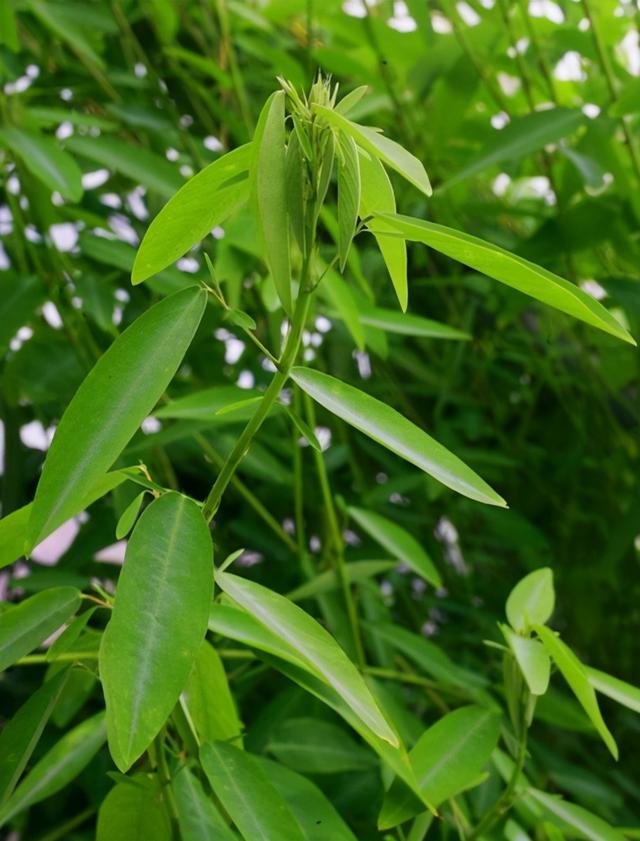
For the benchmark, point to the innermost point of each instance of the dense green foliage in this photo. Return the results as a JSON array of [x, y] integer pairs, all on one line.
[[316, 292]]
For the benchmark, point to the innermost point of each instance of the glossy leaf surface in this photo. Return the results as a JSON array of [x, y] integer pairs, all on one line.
[[532, 600]]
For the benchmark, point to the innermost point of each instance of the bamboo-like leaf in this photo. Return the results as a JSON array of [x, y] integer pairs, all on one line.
[[314, 746], [532, 600], [114, 399], [408, 324], [205, 404], [271, 191], [243, 788], [576, 676], [46, 160], [580, 822], [392, 430], [510, 269], [328, 580], [313, 644], [351, 99], [134, 811], [129, 516], [57, 768], [26, 625], [376, 144], [203, 202], [447, 759], [532, 659], [158, 623], [398, 542], [198, 817], [348, 195], [618, 690], [340, 296]]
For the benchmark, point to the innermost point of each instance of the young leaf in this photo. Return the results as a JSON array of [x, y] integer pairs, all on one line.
[[205, 404], [57, 768], [305, 430], [392, 430], [578, 820], [314, 646], [313, 746], [114, 399], [348, 195], [22, 733], [295, 190], [619, 690], [447, 759], [243, 788], [129, 516], [133, 810], [532, 659], [26, 625], [271, 191], [198, 817], [158, 623], [351, 99], [576, 676], [407, 324], [510, 269], [377, 197], [46, 160], [532, 600], [398, 542], [379, 146], [203, 202]]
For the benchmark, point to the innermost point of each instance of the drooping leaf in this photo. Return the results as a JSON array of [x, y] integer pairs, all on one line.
[[532, 659], [25, 625], [532, 600], [114, 399], [619, 690], [271, 191], [381, 147], [580, 822], [133, 810], [348, 195], [205, 201], [510, 269], [44, 158], [198, 817], [395, 432], [313, 644], [576, 676], [408, 324], [447, 759], [314, 746], [58, 767], [158, 623], [243, 788], [398, 542]]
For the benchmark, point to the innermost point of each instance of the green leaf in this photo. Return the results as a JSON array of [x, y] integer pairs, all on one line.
[[114, 399], [208, 699], [396, 433], [379, 146], [532, 600], [377, 197], [198, 817], [619, 690], [509, 269], [578, 821], [57, 768], [22, 733], [129, 516], [271, 190], [314, 746], [328, 580], [627, 100], [158, 623], [295, 190], [24, 626], [44, 158], [351, 99], [244, 790], [19, 298], [348, 195], [134, 811], [521, 137], [338, 293], [576, 676], [135, 162], [9, 27], [398, 542], [313, 644], [304, 429], [205, 404], [203, 202], [448, 758], [532, 659], [240, 319], [407, 324], [70, 635]]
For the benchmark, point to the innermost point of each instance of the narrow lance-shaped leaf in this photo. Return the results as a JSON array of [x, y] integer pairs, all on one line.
[[398, 542], [271, 191], [315, 646], [376, 144], [618, 690], [348, 195], [133, 810], [510, 269], [158, 623], [244, 790], [532, 659], [26, 625], [198, 817], [392, 430], [408, 324], [129, 516], [44, 158], [114, 399], [580, 822], [326, 581], [314, 746], [377, 197], [202, 203], [532, 600]]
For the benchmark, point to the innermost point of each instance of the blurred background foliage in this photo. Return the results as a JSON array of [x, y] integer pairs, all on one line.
[[526, 116]]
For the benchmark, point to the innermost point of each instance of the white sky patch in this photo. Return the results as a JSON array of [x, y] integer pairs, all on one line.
[[150, 425], [402, 20], [66, 94], [51, 315], [569, 68], [53, 547], [140, 70], [468, 15], [501, 184], [64, 130], [135, 200], [111, 200], [546, 9], [217, 232], [233, 350], [440, 24], [92, 180], [32, 234], [509, 84], [354, 8], [64, 236], [13, 185], [4, 259], [123, 228], [186, 171], [113, 554], [499, 120], [323, 434], [629, 51], [188, 264], [212, 143], [34, 436], [246, 380], [593, 288], [590, 110], [364, 363], [172, 154]]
